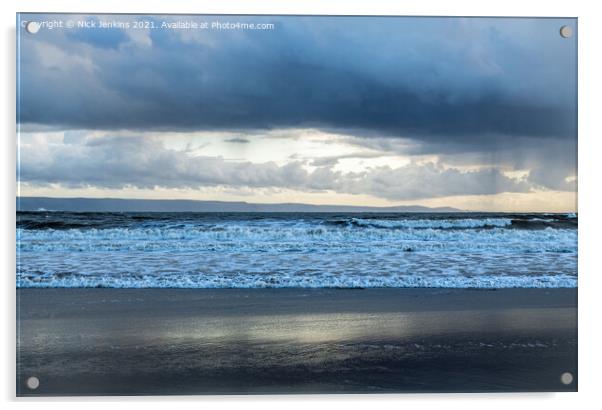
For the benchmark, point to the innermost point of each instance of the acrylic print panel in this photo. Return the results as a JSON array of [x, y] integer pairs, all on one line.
[[295, 204]]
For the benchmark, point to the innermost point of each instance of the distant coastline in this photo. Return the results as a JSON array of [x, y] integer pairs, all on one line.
[[179, 205]]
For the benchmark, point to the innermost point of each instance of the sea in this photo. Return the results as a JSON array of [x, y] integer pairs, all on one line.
[[281, 250]]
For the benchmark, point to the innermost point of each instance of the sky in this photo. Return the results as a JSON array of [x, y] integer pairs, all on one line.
[[473, 113]]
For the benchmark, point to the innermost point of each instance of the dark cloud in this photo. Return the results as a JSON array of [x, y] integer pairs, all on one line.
[[238, 140], [431, 79]]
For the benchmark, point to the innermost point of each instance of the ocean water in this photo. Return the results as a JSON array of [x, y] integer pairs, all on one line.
[[249, 250]]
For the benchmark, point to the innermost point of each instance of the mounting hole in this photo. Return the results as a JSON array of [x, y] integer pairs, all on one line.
[[32, 27], [566, 378], [33, 383], [566, 31]]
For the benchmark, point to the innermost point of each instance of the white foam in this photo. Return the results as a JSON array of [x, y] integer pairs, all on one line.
[[423, 253], [434, 223], [261, 281], [298, 238]]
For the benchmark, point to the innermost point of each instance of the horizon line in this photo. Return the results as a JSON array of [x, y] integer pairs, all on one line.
[[371, 207]]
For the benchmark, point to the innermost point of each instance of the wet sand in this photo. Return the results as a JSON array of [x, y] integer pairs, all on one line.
[[232, 341]]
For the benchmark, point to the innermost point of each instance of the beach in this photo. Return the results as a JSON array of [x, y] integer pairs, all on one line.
[[80, 341]]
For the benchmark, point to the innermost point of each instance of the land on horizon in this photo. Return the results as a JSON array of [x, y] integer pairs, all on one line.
[[189, 205]]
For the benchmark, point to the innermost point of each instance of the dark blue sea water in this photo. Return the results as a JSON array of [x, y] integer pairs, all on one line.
[[247, 250]]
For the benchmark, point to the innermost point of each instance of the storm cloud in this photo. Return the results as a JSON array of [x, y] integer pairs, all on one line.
[[500, 93], [431, 78]]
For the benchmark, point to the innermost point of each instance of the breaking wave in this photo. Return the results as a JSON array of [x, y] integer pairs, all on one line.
[[56, 249]]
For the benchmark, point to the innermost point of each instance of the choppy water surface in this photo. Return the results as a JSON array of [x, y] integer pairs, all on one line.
[[205, 250]]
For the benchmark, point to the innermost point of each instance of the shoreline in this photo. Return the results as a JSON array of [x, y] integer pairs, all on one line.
[[93, 341]]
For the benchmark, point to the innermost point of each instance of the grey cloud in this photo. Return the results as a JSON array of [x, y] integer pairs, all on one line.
[[429, 180], [238, 140], [430, 79], [334, 159], [145, 163], [549, 162]]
